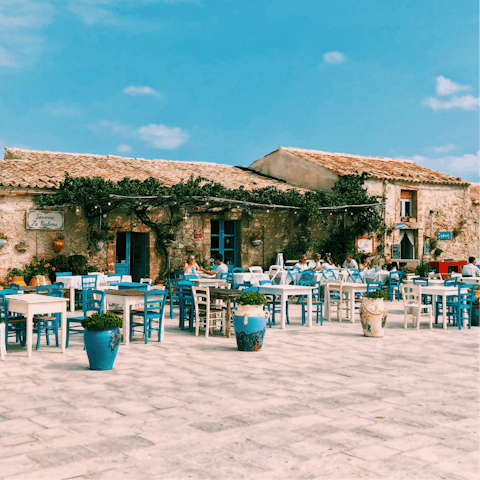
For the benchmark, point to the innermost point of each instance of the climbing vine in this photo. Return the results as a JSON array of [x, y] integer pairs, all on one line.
[[98, 197]]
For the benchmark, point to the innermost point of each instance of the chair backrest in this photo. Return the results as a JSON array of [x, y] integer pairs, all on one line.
[[451, 282], [146, 280], [395, 278], [374, 286], [335, 288], [48, 289], [252, 289], [190, 277], [237, 270], [274, 269], [178, 274], [64, 274], [227, 276], [412, 294], [93, 301], [328, 274], [89, 282], [421, 281], [354, 274], [255, 269], [3, 307], [155, 303], [15, 286], [10, 291], [201, 299], [306, 277]]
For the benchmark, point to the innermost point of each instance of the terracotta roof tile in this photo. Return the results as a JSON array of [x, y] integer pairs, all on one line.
[[37, 169], [378, 167]]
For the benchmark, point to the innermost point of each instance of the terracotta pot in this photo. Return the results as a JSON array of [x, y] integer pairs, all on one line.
[[38, 280], [58, 245], [19, 281]]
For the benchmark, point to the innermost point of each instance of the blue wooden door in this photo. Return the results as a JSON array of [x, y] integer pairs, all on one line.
[[123, 253], [224, 240]]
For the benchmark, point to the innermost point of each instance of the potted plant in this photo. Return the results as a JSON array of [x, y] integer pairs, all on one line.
[[3, 240], [256, 240], [59, 243], [15, 275], [38, 268], [102, 337], [422, 268], [250, 321], [373, 313]]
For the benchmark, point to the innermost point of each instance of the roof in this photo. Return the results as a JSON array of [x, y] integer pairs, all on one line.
[[475, 193], [38, 169], [377, 167]]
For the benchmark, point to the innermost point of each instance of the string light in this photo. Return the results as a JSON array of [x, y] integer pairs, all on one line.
[[109, 203], [96, 206], [268, 211]]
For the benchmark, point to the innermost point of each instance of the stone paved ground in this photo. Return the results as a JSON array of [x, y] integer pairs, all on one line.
[[323, 403]]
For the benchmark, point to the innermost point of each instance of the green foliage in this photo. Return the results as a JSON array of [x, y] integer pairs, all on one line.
[[377, 294], [251, 298], [2, 236], [422, 268], [16, 272], [300, 243], [105, 321], [437, 252]]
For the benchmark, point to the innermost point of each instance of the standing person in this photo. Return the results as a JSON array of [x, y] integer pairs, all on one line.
[[316, 263], [389, 265], [350, 262], [471, 270], [219, 266], [302, 264], [191, 267]]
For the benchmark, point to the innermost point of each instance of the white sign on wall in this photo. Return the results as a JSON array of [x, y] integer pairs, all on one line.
[[43, 220]]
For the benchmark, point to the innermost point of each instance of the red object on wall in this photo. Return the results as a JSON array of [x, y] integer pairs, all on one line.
[[446, 268], [198, 233]]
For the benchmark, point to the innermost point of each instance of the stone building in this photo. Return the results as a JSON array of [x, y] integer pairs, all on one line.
[[26, 173], [425, 210]]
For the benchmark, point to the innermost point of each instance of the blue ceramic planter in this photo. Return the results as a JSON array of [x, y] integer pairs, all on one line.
[[102, 346], [249, 323]]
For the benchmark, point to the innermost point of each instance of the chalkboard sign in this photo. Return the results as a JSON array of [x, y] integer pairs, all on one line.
[[396, 251]]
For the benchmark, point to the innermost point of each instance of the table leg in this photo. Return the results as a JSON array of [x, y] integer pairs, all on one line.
[[229, 315], [352, 306], [126, 321], [444, 310], [29, 333], [72, 298], [309, 309], [63, 323], [283, 309]]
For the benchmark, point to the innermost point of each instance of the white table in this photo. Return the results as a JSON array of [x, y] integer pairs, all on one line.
[[352, 288], [286, 291], [128, 299], [469, 280], [208, 282], [30, 304], [431, 282], [435, 291], [247, 277]]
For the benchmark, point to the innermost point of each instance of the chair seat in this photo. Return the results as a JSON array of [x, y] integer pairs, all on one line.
[[16, 319], [44, 318]]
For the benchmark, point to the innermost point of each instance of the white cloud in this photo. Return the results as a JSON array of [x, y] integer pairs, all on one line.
[[158, 136], [334, 57], [141, 91], [447, 87], [465, 102], [161, 136], [92, 12], [124, 148], [6, 59], [445, 148]]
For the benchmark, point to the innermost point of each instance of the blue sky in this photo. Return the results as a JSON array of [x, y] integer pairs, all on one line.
[[229, 81]]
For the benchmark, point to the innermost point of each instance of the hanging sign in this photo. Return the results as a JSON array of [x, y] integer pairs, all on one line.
[[400, 225], [396, 250], [444, 235], [44, 220]]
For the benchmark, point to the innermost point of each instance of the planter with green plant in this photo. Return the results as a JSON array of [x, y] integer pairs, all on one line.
[[3, 239], [422, 268], [102, 337], [250, 320], [373, 313]]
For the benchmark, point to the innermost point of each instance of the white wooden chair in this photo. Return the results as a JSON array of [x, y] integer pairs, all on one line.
[[413, 307], [3, 350], [274, 270], [336, 297], [146, 280], [255, 269], [206, 314]]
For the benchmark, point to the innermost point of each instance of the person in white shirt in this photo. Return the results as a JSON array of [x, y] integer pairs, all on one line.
[[219, 267], [191, 267], [471, 270], [316, 263], [328, 264], [350, 262], [302, 264]]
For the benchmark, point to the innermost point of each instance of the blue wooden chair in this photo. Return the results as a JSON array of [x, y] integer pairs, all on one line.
[[451, 282], [89, 282], [394, 280], [92, 302], [173, 294], [64, 274], [423, 282], [354, 274], [47, 324], [186, 304], [16, 286], [151, 314], [228, 277], [462, 309], [179, 274], [190, 277], [317, 301], [14, 325], [328, 274], [272, 305], [237, 270], [306, 279], [371, 286]]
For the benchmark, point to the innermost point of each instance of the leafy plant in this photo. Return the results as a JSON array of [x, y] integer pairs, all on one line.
[[251, 298], [39, 265], [2, 236], [422, 268], [377, 294], [437, 252], [16, 272], [105, 321]]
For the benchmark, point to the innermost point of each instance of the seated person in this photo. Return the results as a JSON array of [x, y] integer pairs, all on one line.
[[365, 265], [471, 270], [219, 267], [191, 267], [350, 262], [389, 265], [328, 263], [316, 263], [302, 264]]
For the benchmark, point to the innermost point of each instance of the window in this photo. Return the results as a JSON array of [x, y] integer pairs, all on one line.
[[224, 240], [406, 204]]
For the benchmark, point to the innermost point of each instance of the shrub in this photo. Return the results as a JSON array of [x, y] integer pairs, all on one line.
[[251, 298], [377, 294], [102, 322]]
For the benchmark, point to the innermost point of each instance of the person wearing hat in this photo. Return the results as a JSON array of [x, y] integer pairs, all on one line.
[[316, 263]]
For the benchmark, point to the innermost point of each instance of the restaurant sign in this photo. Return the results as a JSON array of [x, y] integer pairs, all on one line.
[[444, 235], [43, 220]]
